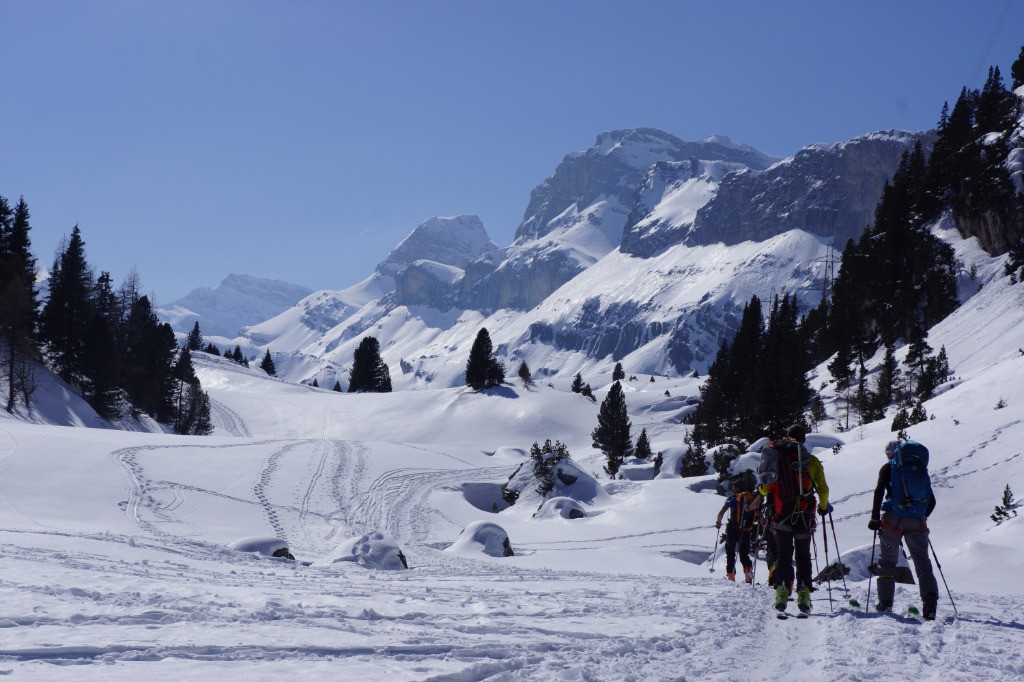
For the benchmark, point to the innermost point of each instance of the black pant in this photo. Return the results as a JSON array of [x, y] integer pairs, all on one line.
[[794, 534], [732, 539]]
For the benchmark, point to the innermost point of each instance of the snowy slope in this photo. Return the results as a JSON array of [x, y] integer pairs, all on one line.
[[115, 561]]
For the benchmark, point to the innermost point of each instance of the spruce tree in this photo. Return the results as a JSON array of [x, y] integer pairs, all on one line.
[[212, 349], [693, 462], [68, 310], [618, 374], [524, 374], [194, 342], [643, 446], [577, 383], [337, 387], [1017, 70], [483, 369], [545, 461], [315, 384], [267, 364], [18, 301], [100, 360], [369, 374], [612, 435], [149, 356]]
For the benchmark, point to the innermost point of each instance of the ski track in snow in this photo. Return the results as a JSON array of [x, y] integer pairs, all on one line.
[[228, 419]]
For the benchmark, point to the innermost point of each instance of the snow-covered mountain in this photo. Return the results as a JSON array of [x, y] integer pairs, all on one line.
[[120, 550], [239, 300], [640, 249]]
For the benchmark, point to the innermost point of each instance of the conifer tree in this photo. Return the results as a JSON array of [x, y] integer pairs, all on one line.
[[194, 342], [612, 435], [643, 446], [693, 462], [337, 387], [545, 461], [18, 301], [524, 374], [618, 374], [315, 384], [577, 383], [150, 350], [1017, 70], [369, 374], [212, 349], [267, 364], [483, 369], [68, 310], [100, 362]]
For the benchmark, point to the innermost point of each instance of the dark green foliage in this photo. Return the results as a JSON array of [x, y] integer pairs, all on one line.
[[337, 386], [643, 446], [100, 361], [149, 351], [212, 349], [587, 392], [545, 464], [315, 384], [369, 374], [1008, 505], [524, 374], [901, 421], [483, 370], [723, 458], [612, 436], [757, 383], [817, 411], [577, 383], [267, 364], [618, 374], [693, 462], [194, 341], [1017, 70], [918, 414], [68, 311], [18, 302]]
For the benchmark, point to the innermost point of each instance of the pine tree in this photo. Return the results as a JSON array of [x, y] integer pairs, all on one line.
[[643, 446], [694, 462], [1002, 511], [194, 342], [901, 421], [100, 361], [545, 464], [618, 374], [577, 383], [68, 311], [337, 387], [267, 364], [483, 370], [369, 374], [315, 384], [1017, 70], [612, 435], [149, 356], [18, 301], [212, 349], [525, 375], [918, 414]]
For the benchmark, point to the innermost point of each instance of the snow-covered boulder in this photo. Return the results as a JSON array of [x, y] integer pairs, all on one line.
[[372, 550], [483, 536], [560, 507], [570, 481], [264, 545]]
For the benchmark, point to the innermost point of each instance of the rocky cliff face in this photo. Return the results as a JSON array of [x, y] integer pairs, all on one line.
[[828, 190]]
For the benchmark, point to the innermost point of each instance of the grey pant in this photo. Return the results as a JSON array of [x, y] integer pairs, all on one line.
[[915, 532]]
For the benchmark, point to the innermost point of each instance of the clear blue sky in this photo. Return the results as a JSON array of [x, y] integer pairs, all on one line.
[[303, 140]]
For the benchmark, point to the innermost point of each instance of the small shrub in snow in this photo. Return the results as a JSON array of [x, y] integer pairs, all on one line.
[[1008, 505], [545, 461]]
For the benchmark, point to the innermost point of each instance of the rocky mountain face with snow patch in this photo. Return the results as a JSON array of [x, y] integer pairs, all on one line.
[[641, 249]]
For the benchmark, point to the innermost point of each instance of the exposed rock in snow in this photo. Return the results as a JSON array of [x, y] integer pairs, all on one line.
[[483, 537]]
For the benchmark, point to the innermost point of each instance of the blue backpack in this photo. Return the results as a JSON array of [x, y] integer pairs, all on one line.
[[910, 489]]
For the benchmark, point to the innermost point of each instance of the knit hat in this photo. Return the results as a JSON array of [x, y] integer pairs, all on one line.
[[797, 432], [891, 447]]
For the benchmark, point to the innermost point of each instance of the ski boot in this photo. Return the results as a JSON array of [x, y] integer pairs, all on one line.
[[883, 606], [730, 576], [781, 598], [803, 599], [748, 577]]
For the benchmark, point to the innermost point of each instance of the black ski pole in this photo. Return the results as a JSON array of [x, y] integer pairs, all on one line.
[[943, 578], [714, 554], [839, 558], [828, 577], [874, 538]]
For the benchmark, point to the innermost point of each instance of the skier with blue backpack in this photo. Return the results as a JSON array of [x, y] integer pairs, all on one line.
[[904, 483]]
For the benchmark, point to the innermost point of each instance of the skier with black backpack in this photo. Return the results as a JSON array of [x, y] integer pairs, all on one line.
[[792, 476], [903, 481], [739, 529]]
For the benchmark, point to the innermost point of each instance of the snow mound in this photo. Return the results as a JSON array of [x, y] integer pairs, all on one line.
[[264, 545], [570, 481], [372, 550], [560, 507], [483, 536]]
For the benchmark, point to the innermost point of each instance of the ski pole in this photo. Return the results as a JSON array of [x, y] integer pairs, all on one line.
[[824, 539], [839, 557], [714, 554], [943, 578], [874, 538]]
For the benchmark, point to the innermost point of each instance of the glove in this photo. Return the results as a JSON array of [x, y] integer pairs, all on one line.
[[718, 525], [826, 511], [875, 524]]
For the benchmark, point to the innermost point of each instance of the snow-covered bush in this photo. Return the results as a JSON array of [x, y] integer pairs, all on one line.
[[483, 537], [372, 550], [569, 480], [560, 507]]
